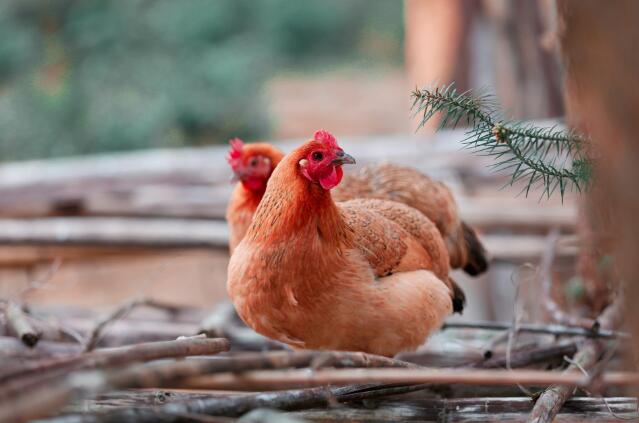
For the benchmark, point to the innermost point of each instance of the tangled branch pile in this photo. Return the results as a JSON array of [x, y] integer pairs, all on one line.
[[61, 378]]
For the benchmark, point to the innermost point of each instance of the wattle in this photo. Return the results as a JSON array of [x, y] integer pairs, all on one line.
[[332, 179], [254, 184]]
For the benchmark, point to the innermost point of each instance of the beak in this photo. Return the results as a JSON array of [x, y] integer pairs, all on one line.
[[343, 158]]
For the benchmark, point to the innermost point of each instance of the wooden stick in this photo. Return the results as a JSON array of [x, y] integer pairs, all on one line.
[[422, 409], [193, 346], [558, 330], [51, 397], [487, 409], [120, 312], [19, 322], [227, 405], [529, 356], [130, 330], [51, 374], [166, 374], [276, 379], [13, 347], [551, 401]]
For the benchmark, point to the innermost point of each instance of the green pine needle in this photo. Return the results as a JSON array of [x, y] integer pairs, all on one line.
[[551, 158]]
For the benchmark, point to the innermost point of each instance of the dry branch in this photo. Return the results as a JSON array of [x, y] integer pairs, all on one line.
[[385, 409], [274, 379], [551, 401], [488, 409], [235, 405], [120, 312], [19, 322], [558, 330], [131, 331], [163, 374], [119, 356], [13, 347], [51, 397], [53, 382], [530, 356]]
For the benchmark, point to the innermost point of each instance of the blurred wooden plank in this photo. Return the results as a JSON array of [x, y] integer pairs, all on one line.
[[513, 214], [29, 255], [24, 241], [210, 202], [134, 182], [135, 232], [521, 248]]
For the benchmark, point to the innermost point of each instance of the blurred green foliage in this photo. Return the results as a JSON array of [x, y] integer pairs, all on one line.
[[86, 76]]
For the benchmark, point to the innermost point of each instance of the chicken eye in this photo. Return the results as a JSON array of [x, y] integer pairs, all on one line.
[[253, 162], [317, 156]]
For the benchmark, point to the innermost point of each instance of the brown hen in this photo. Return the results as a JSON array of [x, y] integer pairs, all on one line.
[[252, 165], [363, 275]]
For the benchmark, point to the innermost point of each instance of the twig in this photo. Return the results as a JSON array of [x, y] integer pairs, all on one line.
[[544, 275], [234, 406], [119, 356], [271, 379], [19, 322], [530, 356], [11, 347], [552, 329], [120, 312], [551, 401], [166, 374], [487, 409], [132, 331], [51, 397], [386, 409], [47, 374]]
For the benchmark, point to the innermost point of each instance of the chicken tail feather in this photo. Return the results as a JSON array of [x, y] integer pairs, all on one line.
[[458, 296], [477, 261]]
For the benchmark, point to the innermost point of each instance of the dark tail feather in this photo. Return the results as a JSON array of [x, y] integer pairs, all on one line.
[[459, 298], [477, 262]]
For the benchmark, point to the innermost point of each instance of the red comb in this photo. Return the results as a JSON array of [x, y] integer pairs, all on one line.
[[326, 138], [235, 153]]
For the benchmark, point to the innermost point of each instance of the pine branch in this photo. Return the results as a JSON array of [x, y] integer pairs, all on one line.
[[548, 157]]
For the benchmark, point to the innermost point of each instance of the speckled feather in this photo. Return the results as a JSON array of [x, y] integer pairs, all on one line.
[[388, 181], [403, 225]]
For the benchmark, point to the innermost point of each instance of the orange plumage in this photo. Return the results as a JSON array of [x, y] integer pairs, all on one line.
[[363, 275], [252, 165]]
